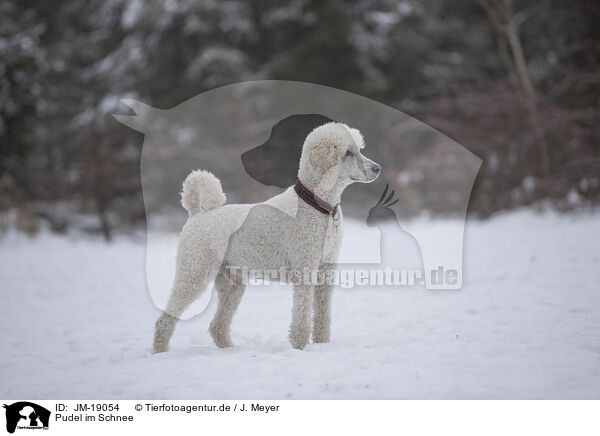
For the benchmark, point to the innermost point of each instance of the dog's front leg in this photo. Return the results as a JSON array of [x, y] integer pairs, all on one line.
[[322, 306], [300, 328]]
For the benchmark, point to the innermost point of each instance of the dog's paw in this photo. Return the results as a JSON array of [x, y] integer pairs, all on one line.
[[223, 343], [220, 338], [320, 338], [298, 341], [160, 345], [321, 332], [159, 349]]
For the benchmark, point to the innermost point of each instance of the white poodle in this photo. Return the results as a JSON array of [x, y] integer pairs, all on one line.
[[297, 231]]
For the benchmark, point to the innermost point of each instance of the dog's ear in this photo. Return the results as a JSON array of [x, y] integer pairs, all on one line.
[[322, 156]]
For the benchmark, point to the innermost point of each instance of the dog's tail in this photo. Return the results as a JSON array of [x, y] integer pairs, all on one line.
[[202, 192]]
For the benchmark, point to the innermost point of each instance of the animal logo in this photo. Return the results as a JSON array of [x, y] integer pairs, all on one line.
[[240, 131], [399, 249], [26, 415], [382, 211], [275, 162]]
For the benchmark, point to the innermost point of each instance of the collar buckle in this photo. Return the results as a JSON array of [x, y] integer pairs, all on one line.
[[335, 215]]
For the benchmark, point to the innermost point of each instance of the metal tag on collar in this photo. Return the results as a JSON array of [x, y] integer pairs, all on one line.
[[335, 215]]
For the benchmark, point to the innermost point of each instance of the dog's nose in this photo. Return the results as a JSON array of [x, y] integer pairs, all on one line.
[[376, 168]]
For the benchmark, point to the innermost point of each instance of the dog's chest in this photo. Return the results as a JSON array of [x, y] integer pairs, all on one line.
[[333, 235]]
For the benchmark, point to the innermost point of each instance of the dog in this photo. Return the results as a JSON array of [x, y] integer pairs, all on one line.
[[298, 230]]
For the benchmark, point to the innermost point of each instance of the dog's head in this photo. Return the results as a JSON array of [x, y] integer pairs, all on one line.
[[332, 152]]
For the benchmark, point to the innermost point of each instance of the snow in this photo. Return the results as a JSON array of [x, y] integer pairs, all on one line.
[[77, 322]]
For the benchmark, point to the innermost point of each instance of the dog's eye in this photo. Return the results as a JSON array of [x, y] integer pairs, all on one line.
[[349, 154]]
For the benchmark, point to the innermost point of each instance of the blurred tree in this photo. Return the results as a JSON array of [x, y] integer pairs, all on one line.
[[516, 82], [502, 17], [23, 69]]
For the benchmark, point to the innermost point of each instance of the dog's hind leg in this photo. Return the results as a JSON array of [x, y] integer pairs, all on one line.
[[163, 330], [183, 294], [230, 291]]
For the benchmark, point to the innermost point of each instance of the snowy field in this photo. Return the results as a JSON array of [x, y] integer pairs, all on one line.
[[77, 321]]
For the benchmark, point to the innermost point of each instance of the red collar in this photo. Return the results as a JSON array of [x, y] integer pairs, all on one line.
[[313, 200]]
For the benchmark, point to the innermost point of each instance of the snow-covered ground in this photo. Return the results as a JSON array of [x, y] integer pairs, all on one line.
[[77, 321]]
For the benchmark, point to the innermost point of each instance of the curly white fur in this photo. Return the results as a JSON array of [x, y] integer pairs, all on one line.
[[202, 191], [283, 234]]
